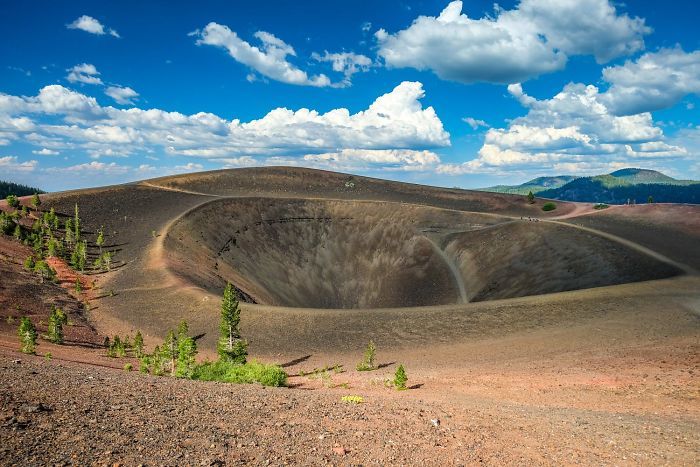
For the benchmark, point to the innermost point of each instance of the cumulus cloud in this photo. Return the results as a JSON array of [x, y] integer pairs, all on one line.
[[84, 73], [122, 95], [89, 24], [574, 131], [45, 152], [10, 165], [655, 81], [91, 168], [269, 59], [475, 123], [87, 74], [347, 63], [536, 37], [378, 159], [395, 122]]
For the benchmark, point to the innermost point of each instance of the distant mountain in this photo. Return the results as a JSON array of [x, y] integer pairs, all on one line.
[[635, 185], [9, 188], [535, 185]]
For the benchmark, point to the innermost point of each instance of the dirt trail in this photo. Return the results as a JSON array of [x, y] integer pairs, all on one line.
[[630, 244], [456, 274], [179, 190]]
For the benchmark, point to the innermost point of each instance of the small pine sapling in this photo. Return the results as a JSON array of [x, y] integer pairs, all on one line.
[[57, 319], [231, 347], [186, 352], [368, 359], [400, 378], [27, 335], [138, 344]]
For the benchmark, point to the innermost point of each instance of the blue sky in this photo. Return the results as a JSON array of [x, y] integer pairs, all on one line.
[[446, 93]]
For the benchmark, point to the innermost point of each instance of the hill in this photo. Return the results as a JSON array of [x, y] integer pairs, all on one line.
[[621, 186], [635, 185], [535, 185], [9, 188]]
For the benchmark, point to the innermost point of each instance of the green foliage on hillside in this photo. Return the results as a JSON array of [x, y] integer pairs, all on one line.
[[607, 189], [614, 188], [10, 188], [535, 185]]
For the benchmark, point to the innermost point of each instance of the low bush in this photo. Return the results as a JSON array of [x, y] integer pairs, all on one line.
[[600, 206], [549, 206], [251, 372]]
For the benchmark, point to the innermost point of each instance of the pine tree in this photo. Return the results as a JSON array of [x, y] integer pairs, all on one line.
[[18, 232], [138, 344], [78, 285], [36, 201], [157, 362], [27, 336], [368, 359], [76, 224], [169, 351], [12, 201], [400, 378], [44, 271], [530, 198], [231, 347], [186, 352], [57, 319], [100, 239]]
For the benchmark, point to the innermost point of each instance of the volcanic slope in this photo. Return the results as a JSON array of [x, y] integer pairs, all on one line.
[[340, 249]]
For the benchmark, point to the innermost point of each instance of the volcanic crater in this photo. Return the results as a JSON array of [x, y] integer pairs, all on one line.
[[315, 253]]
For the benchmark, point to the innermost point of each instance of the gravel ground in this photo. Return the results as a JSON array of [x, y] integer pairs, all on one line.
[[59, 413]]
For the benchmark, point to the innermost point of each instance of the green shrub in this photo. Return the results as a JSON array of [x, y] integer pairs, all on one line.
[[549, 206], [600, 206], [400, 378], [27, 335], [12, 201], [251, 372], [367, 363], [128, 367]]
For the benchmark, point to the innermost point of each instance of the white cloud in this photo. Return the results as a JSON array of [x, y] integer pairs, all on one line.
[[11, 165], [366, 26], [270, 59], [382, 159], [573, 132], [84, 73], [654, 81], [347, 63], [536, 37], [475, 123], [189, 167], [122, 95], [91, 168], [46, 152], [89, 24], [394, 121]]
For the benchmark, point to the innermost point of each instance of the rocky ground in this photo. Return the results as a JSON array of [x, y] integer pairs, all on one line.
[[64, 413]]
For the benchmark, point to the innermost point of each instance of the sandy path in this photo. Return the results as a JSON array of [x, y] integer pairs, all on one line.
[[630, 244], [456, 274]]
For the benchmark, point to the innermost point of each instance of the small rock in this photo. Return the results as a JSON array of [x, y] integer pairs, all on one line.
[[435, 422], [339, 450]]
